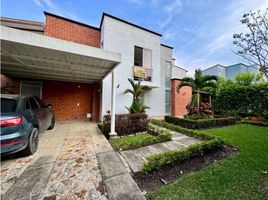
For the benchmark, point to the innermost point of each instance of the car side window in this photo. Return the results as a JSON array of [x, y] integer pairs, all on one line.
[[28, 107], [33, 104], [41, 103]]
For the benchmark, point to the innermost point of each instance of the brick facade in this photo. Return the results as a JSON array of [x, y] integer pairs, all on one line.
[[65, 29], [179, 100], [72, 100], [9, 85]]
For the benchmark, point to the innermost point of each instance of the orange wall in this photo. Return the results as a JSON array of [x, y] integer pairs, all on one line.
[[63, 29], [180, 100], [72, 100]]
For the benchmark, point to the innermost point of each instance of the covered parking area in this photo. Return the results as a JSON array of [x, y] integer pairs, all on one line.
[[69, 74]]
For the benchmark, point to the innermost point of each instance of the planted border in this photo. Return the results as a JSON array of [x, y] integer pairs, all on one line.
[[200, 124], [156, 161], [156, 135], [169, 157]]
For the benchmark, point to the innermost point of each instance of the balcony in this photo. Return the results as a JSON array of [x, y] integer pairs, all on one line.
[[142, 73]]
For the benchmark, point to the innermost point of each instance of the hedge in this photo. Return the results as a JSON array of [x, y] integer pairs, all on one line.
[[189, 132], [125, 124], [200, 124], [169, 157], [139, 140], [243, 101]]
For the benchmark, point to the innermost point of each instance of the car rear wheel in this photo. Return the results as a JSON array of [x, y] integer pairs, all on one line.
[[32, 143], [52, 124]]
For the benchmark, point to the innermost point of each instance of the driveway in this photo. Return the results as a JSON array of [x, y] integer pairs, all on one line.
[[64, 167]]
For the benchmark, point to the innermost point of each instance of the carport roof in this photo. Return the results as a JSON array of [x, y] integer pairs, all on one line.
[[30, 55]]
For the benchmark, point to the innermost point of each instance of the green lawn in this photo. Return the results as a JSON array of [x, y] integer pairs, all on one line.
[[241, 176]]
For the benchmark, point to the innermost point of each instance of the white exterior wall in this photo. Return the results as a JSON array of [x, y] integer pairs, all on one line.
[[178, 72], [121, 38]]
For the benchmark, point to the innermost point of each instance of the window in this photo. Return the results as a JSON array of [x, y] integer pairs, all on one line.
[[8, 105], [143, 57], [41, 103], [33, 104], [167, 87], [31, 88]]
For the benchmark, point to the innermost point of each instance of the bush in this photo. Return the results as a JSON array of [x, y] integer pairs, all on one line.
[[139, 140], [200, 124], [198, 116], [189, 132], [126, 124], [169, 157], [244, 101]]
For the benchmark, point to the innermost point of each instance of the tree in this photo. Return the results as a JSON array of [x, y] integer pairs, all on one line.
[[137, 91], [253, 45], [248, 78], [198, 84]]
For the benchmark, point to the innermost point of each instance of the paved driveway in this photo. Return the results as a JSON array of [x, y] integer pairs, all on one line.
[[64, 167]]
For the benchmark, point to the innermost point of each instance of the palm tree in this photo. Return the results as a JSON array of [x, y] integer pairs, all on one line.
[[136, 91], [198, 83]]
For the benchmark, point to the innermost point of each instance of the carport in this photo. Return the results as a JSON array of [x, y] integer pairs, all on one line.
[[33, 56]]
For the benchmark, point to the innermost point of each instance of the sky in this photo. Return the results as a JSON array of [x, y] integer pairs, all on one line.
[[199, 30]]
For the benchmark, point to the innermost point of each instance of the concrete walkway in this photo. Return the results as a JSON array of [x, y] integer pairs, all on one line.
[[66, 167], [137, 157]]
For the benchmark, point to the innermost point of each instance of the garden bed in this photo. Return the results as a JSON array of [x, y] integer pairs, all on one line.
[[169, 173], [201, 123]]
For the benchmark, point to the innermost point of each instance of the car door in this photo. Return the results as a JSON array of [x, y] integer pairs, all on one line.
[[35, 109], [46, 112]]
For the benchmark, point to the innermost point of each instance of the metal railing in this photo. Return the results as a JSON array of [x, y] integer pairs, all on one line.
[[142, 73]]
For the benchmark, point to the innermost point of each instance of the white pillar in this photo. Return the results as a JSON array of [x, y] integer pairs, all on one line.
[[112, 132]]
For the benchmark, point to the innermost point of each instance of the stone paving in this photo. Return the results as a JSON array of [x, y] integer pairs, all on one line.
[[65, 166], [137, 157]]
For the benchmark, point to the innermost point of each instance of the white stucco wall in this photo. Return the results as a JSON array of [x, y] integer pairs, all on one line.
[[178, 72], [121, 38]]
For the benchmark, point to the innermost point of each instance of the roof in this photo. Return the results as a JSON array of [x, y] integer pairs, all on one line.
[[164, 45], [70, 20], [22, 24], [181, 68], [126, 22], [214, 66]]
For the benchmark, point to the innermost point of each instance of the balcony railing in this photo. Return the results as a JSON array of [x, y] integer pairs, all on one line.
[[142, 73]]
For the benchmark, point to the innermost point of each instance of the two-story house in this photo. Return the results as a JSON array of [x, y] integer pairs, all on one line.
[[230, 71], [83, 70]]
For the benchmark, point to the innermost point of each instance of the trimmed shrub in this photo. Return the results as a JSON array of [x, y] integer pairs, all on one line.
[[200, 124], [243, 101], [126, 124], [170, 157], [139, 140], [189, 132]]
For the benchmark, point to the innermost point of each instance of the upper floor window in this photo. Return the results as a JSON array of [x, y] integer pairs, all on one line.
[[142, 57]]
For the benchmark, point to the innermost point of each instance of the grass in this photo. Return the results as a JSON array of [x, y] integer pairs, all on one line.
[[139, 140], [241, 176]]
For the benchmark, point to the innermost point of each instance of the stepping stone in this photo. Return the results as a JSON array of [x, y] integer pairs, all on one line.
[[110, 164], [188, 141], [160, 147], [145, 151], [174, 145], [134, 160], [123, 187]]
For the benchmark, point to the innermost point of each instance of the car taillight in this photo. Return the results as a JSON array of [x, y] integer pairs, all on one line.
[[11, 122]]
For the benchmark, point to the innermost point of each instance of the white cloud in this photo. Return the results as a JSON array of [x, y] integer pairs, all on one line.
[[173, 7], [139, 2]]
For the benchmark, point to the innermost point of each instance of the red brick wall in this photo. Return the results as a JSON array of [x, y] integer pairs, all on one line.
[[9, 85], [180, 100], [72, 100], [63, 29]]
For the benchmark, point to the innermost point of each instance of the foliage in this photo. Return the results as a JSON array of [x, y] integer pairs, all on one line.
[[126, 124], [198, 116], [253, 45], [204, 110], [156, 161], [243, 101], [240, 176], [198, 84], [137, 91], [200, 124], [248, 78], [139, 140], [189, 132]]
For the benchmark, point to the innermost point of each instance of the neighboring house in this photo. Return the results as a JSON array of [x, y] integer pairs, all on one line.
[[230, 71], [83, 70]]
